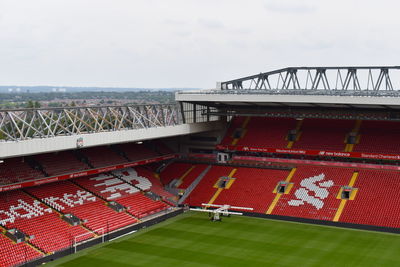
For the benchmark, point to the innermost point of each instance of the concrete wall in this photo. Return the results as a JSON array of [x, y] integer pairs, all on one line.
[[42, 145]]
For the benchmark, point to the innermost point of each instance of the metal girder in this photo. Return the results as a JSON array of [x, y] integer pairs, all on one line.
[[23, 124], [320, 78]]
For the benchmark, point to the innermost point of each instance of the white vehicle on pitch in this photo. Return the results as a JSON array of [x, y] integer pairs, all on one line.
[[220, 210]]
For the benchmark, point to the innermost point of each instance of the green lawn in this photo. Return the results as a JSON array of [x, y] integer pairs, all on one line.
[[192, 240]]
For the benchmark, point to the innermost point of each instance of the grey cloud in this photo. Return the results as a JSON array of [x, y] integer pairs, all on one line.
[[211, 23], [290, 7]]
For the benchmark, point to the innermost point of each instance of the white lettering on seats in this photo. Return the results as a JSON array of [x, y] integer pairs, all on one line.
[[131, 176], [23, 210], [69, 200], [310, 185], [114, 186]]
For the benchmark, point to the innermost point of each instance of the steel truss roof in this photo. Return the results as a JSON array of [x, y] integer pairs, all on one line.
[[23, 124], [374, 78]]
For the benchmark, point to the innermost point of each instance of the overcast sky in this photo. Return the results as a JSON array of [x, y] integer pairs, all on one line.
[[187, 43]]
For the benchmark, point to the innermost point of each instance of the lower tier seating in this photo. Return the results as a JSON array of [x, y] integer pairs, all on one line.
[[69, 198], [12, 254], [377, 201], [174, 171], [185, 171], [50, 232], [112, 188], [314, 193], [205, 190], [144, 179], [254, 187], [192, 175], [141, 206]]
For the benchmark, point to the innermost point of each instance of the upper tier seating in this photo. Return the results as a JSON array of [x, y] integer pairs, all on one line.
[[12, 254], [315, 134], [69, 198], [235, 123], [135, 152], [261, 132], [60, 163], [103, 156], [33, 218], [162, 148], [15, 170], [379, 137], [320, 134]]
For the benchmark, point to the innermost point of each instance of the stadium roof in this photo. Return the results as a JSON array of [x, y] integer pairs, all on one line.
[[340, 87]]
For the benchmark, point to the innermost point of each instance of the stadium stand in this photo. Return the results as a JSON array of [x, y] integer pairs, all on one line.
[[60, 163], [377, 201], [320, 134], [259, 131], [186, 173], [314, 134], [314, 193], [379, 137], [12, 254], [252, 188], [97, 159], [141, 206], [174, 171], [145, 175], [15, 170], [33, 218], [137, 151], [112, 188], [267, 132], [66, 197], [162, 148], [205, 190], [235, 123], [191, 176]]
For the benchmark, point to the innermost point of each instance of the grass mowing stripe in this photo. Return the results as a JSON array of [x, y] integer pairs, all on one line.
[[269, 249], [319, 236], [91, 261], [192, 240], [184, 254]]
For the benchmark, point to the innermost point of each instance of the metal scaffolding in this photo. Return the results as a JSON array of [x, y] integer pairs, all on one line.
[[23, 124], [374, 78]]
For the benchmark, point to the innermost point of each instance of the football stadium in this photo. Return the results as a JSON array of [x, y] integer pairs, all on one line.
[[290, 167]]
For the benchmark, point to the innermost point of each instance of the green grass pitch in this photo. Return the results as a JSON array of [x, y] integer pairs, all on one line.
[[192, 240]]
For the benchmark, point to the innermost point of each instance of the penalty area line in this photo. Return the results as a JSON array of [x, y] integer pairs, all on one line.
[[115, 238]]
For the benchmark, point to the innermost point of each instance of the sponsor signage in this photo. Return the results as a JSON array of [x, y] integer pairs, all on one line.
[[310, 152], [322, 163], [83, 173]]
